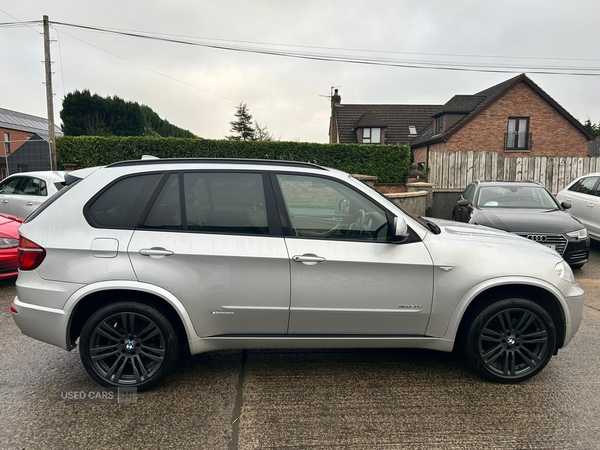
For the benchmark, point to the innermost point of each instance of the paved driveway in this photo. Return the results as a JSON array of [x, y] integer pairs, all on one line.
[[336, 399]]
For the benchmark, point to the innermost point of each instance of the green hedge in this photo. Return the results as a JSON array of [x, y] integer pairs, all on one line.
[[389, 163]]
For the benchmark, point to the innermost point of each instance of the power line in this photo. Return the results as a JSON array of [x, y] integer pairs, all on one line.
[[469, 67], [351, 49], [188, 84], [22, 23]]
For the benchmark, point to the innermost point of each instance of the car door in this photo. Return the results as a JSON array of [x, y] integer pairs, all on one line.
[[347, 278], [584, 202], [28, 196], [213, 239], [8, 189]]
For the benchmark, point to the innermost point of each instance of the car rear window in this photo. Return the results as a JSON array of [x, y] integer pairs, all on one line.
[[121, 204], [48, 202]]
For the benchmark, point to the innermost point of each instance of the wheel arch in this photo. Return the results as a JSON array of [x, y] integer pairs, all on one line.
[[82, 304], [544, 295]]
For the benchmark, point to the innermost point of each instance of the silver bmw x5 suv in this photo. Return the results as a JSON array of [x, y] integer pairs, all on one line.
[[139, 260]]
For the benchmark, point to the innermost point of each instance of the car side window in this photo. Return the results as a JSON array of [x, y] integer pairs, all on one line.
[[229, 203], [328, 209], [121, 204], [587, 185], [166, 211], [10, 185], [33, 186]]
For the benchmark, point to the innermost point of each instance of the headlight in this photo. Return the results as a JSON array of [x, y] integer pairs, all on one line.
[[579, 234], [564, 271], [8, 243]]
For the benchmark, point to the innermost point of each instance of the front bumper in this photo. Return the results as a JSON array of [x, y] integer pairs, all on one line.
[[577, 251], [8, 263], [575, 304], [42, 323]]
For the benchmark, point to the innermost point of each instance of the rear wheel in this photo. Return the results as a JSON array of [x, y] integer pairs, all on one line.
[[128, 344], [510, 340]]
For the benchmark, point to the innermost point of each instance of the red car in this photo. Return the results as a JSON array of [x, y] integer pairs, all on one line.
[[9, 241]]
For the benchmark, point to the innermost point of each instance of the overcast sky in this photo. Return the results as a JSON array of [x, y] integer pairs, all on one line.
[[285, 93]]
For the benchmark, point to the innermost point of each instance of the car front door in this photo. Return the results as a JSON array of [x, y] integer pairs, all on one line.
[[213, 239], [8, 189], [347, 277], [584, 202]]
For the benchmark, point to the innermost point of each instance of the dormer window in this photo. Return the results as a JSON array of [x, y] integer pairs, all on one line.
[[371, 136], [412, 130], [439, 125]]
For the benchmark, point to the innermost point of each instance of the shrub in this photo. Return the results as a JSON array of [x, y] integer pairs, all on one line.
[[390, 163]]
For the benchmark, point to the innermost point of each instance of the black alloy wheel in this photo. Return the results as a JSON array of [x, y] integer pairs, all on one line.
[[510, 340], [128, 344]]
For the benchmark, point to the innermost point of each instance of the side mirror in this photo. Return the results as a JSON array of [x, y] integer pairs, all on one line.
[[463, 202], [566, 205], [400, 231]]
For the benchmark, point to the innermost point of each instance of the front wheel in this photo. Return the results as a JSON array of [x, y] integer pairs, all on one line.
[[128, 344], [510, 340]]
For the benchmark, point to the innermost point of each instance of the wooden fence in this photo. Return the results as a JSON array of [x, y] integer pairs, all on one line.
[[454, 170]]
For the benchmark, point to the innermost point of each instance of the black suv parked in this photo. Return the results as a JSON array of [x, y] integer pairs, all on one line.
[[528, 209]]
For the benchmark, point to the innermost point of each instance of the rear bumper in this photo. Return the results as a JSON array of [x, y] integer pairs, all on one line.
[[42, 323]]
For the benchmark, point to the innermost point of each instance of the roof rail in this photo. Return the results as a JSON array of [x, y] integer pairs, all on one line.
[[268, 162]]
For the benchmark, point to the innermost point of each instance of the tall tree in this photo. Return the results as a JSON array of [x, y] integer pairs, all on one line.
[[592, 127], [242, 128]]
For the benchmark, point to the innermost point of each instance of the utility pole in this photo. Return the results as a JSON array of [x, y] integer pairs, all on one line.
[[49, 95]]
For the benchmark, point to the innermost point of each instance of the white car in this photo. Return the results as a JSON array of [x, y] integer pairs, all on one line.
[[22, 193], [584, 196]]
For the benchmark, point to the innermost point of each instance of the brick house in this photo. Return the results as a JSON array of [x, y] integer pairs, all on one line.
[[23, 137], [514, 118], [377, 124]]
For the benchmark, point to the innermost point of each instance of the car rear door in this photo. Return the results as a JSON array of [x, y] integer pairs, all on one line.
[[213, 239], [347, 278]]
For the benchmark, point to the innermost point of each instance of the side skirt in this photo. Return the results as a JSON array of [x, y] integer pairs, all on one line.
[[208, 344]]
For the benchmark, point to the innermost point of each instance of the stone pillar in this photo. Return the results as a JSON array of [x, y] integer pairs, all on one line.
[[415, 187]]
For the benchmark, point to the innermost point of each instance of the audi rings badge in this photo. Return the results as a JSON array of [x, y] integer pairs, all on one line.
[[537, 237]]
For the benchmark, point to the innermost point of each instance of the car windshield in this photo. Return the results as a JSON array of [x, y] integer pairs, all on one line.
[[530, 197]]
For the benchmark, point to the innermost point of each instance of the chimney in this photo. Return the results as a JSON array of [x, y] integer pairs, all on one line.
[[336, 98]]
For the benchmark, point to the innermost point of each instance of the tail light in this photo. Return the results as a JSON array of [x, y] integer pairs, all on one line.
[[30, 254]]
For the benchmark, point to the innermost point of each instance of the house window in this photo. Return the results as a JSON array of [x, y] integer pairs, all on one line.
[[517, 137], [439, 125], [6, 143], [371, 136], [412, 129]]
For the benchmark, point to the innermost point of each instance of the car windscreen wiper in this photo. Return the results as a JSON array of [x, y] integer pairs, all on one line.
[[431, 225]]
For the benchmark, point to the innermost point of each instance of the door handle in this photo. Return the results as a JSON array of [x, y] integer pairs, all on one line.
[[309, 259], [590, 205], [4, 201], [155, 251], [29, 203]]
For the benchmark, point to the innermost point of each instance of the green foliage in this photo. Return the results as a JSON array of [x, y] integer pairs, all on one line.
[[595, 129], [242, 128], [84, 114], [390, 163]]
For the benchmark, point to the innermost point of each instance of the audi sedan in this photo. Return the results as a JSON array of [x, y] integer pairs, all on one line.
[[528, 209]]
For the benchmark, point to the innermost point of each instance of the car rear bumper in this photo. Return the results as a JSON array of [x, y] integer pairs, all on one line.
[[42, 323]]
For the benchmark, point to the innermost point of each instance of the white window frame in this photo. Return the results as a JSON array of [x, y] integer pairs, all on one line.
[[371, 135]]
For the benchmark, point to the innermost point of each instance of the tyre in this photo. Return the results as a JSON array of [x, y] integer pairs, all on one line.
[[509, 340], [128, 344]]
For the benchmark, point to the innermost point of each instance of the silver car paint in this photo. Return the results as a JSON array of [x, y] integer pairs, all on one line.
[[228, 284], [584, 207], [457, 275], [21, 205]]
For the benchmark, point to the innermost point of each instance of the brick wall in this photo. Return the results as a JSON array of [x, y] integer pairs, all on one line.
[[552, 134], [390, 188], [20, 136], [420, 153]]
